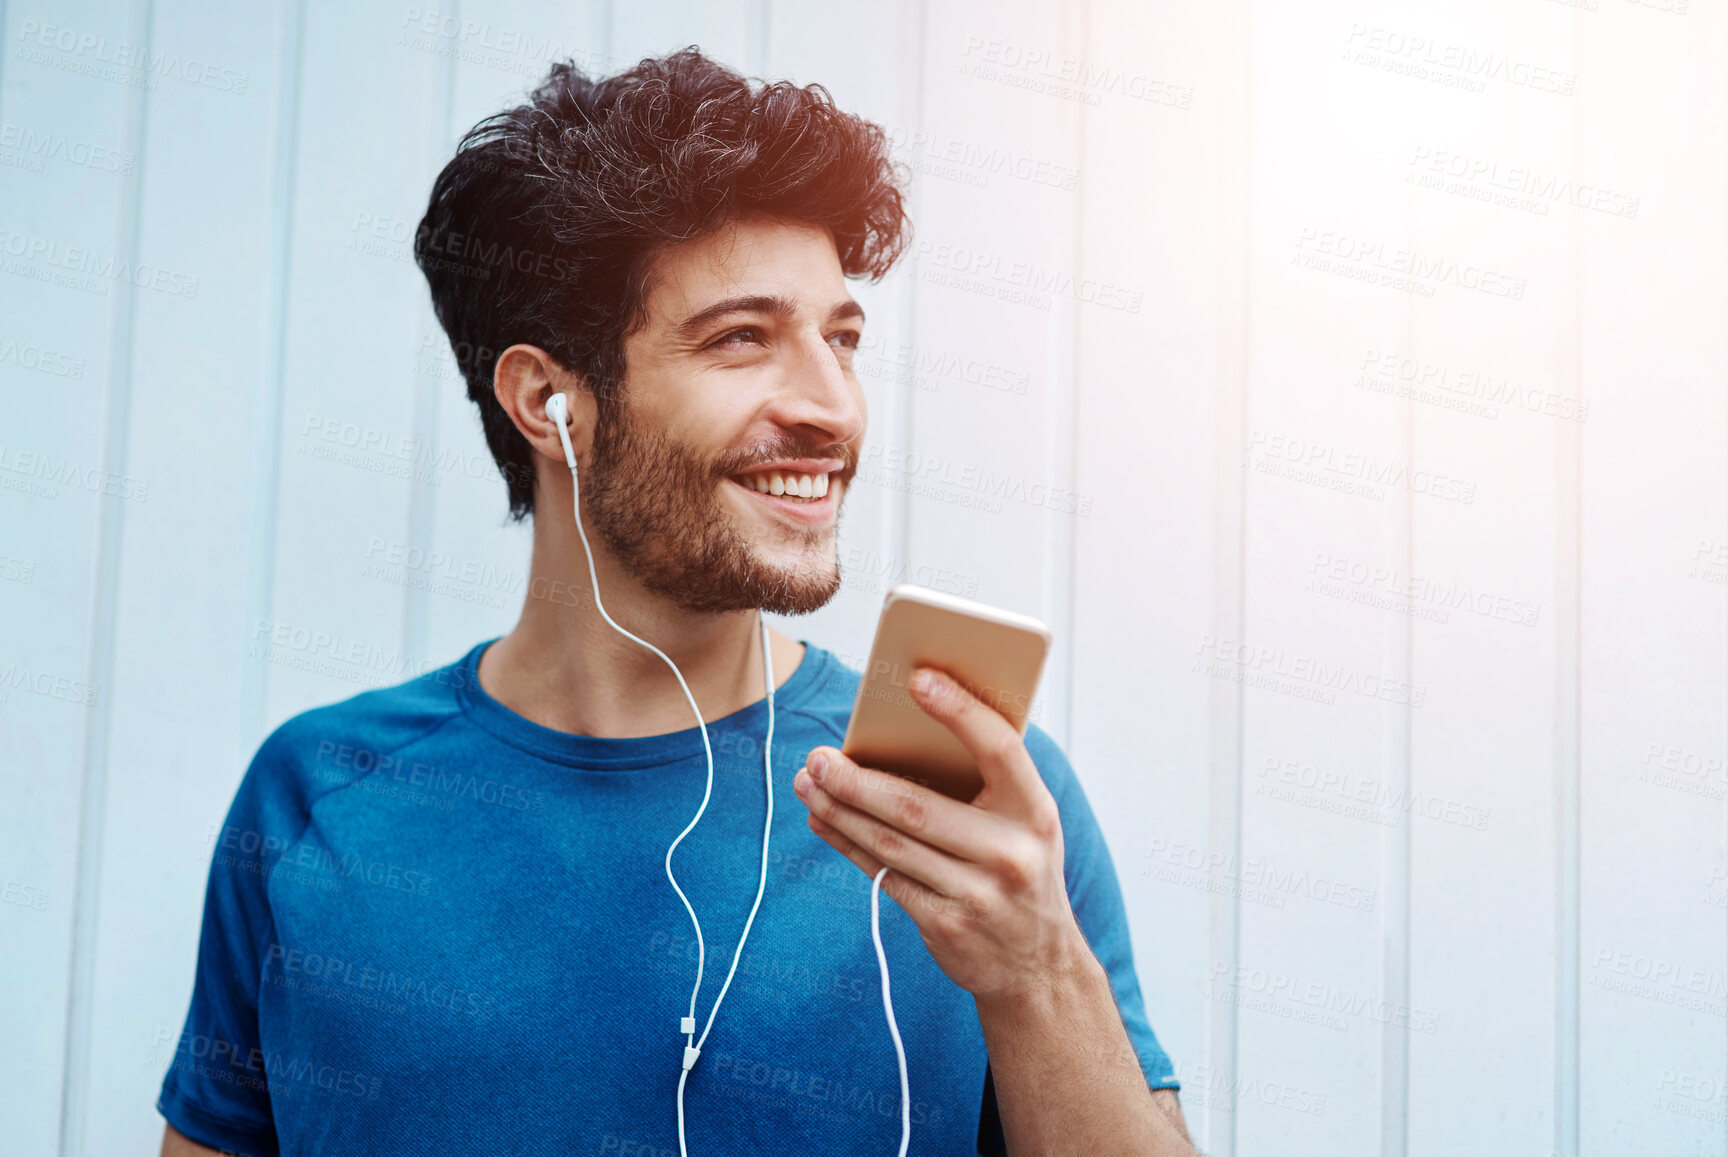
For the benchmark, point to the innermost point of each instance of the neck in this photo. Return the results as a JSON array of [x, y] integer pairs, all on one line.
[[562, 666]]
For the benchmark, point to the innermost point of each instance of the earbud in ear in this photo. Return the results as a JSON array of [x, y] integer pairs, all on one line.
[[558, 413]]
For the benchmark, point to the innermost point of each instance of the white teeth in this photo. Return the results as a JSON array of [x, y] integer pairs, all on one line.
[[786, 485]]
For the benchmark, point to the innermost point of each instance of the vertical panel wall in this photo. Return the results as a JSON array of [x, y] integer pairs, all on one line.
[[68, 198], [1343, 382], [1653, 954]]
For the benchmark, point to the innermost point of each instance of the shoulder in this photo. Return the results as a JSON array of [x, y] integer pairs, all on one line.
[[326, 748], [383, 719]]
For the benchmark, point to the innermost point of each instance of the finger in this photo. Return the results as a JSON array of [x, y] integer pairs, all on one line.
[[961, 830], [907, 855], [917, 900], [1000, 750]]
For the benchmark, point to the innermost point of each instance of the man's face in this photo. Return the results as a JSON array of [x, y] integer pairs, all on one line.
[[739, 382]]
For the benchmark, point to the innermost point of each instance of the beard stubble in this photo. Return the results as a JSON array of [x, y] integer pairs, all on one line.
[[655, 503]]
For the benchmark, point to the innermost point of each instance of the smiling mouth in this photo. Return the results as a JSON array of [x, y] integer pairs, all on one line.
[[785, 484], [810, 501]]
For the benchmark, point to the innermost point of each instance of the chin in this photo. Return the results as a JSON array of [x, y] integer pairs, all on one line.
[[797, 586]]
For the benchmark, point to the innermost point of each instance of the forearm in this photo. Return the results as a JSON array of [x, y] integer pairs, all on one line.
[[1067, 1078]]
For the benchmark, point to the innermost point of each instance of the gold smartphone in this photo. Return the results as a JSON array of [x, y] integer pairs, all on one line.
[[998, 655]]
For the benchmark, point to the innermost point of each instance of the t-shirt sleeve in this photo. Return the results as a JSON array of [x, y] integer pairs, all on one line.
[[216, 1091], [1095, 895]]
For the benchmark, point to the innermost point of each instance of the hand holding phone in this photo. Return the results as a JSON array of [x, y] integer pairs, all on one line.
[[997, 655], [961, 844]]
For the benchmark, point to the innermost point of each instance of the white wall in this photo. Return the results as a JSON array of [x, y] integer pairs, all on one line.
[[1405, 875]]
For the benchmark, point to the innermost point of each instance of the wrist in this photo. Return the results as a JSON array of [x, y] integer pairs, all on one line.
[[1069, 968]]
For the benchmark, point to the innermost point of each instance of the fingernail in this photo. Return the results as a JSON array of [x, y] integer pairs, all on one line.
[[818, 766], [923, 682]]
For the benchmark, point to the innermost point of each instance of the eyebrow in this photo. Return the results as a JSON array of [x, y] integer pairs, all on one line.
[[772, 304]]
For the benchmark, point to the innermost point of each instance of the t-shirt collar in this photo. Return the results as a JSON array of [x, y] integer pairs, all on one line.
[[591, 752]]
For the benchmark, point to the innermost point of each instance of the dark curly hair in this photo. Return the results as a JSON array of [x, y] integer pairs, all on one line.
[[542, 226]]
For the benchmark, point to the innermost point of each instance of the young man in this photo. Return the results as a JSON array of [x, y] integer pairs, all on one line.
[[438, 917]]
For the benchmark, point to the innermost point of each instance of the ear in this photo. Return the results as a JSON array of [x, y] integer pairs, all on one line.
[[525, 377]]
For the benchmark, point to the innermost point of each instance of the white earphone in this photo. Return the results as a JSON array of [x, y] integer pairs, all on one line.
[[557, 412]]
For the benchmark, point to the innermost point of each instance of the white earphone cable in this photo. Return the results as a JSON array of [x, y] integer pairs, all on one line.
[[555, 410], [762, 879], [688, 1025], [888, 1009]]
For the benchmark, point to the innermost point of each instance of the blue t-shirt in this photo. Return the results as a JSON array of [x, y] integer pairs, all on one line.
[[433, 925]]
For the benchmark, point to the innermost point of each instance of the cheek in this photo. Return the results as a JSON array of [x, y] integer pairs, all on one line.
[[699, 435], [712, 421]]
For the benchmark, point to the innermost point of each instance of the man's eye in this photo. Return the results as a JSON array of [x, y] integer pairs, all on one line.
[[846, 339], [743, 334]]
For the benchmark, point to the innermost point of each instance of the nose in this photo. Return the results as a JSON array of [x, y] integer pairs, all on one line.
[[817, 394]]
